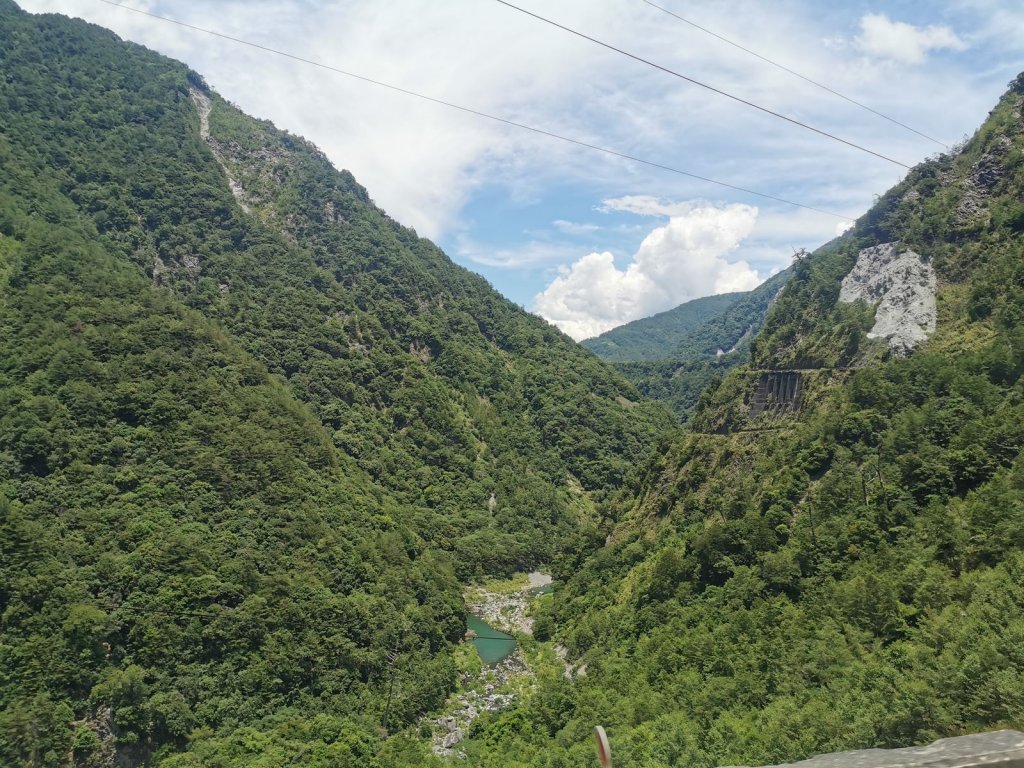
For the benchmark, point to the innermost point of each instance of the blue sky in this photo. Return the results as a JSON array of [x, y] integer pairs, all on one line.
[[586, 240]]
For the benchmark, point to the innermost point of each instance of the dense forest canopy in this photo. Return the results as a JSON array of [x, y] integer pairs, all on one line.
[[656, 337], [254, 432], [256, 437], [840, 574]]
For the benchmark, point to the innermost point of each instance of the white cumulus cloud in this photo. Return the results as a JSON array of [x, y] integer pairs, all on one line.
[[682, 260], [883, 37]]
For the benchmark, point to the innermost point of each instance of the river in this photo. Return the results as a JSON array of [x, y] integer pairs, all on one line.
[[492, 644], [488, 610], [505, 604]]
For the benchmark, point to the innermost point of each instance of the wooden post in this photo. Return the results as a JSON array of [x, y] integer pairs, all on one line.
[[604, 750]]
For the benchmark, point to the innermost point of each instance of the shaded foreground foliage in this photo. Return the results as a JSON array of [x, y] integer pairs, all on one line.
[[182, 545]]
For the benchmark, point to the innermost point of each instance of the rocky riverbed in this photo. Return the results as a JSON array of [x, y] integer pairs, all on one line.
[[488, 695], [505, 609]]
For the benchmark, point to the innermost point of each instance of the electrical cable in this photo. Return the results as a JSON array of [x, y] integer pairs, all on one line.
[[478, 113], [711, 88], [793, 72], [227, 611]]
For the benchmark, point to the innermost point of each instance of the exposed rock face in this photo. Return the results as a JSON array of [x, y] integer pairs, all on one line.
[[451, 739], [202, 102], [991, 167], [1000, 749], [903, 286], [985, 176], [101, 722], [187, 269], [572, 670], [254, 172]]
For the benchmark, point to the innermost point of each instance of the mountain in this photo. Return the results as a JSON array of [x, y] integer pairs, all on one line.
[[731, 331], [436, 387], [672, 357], [832, 555], [254, 432], [256, 436], [656, 337]]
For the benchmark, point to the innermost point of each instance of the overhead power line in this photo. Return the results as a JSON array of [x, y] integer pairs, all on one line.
[[711, 88], [225, 612], [479, 113], [793, 72]]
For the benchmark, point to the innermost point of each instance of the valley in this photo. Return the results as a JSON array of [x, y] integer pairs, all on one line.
[[674, 356], [282, 485], [501, 672]]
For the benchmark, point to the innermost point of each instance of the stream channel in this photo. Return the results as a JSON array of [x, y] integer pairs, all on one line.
[[492, 644], [504, 667]]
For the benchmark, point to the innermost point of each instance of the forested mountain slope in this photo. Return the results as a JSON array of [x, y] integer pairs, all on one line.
[[181, 547], [656, 337], [487, 420], [253, 432], [833, 556], [674, 356]]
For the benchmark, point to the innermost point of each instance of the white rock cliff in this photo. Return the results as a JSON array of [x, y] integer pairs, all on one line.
[[902, 284]]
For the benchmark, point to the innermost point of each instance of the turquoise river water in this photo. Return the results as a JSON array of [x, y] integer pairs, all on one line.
[[493, 645]]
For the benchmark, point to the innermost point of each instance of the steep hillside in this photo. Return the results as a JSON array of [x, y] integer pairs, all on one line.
[[253, 432], [833, 557], [736, 327], [678, 360], [494, 428], [656, 337], [181, 546]]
